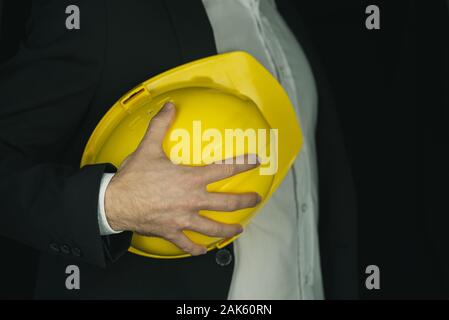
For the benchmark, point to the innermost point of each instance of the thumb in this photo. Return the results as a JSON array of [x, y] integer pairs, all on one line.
[[159, 125]]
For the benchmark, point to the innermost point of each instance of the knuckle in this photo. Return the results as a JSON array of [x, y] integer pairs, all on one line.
[[195, 175], [191, 248], [202, 202], [192, 203], [230, 169], [172, 225], [154, 125], [180, 223], [185, 246], [194, 251], [187, 221], [216, 229], [171, 236], [190, 176], [184, 205]]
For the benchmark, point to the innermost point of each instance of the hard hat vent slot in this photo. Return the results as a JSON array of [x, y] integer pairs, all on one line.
[[133, 96]]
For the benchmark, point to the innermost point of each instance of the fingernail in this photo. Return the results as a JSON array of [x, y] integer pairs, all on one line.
[[204, 251], [240, 230], [259, 198], [167, 106]]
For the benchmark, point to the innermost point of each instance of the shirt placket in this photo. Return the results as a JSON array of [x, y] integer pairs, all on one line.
[[277, 59]]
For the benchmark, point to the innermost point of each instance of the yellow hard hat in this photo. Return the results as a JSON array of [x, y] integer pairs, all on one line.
[[228, 95]]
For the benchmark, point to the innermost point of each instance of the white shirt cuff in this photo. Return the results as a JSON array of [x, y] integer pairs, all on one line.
[[105, 228]]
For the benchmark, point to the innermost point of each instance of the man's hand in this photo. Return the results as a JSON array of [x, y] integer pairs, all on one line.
[[152, 196]]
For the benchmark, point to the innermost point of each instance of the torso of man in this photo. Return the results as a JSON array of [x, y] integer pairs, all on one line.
[[277, 257], [85, 71]]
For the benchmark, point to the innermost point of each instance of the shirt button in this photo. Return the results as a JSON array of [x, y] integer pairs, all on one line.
[[65, 249], [223, 257], [54, 247], [76, 252], [308, 280], [304, 207]]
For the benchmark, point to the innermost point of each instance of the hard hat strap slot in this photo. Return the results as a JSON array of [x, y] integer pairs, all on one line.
[[132, 96]]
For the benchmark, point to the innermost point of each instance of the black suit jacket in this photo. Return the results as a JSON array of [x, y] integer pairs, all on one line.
[[54, 92]]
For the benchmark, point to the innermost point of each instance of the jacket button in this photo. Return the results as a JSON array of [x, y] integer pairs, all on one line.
[[54, 247], [65, 249], [223, 257], [76, 252]]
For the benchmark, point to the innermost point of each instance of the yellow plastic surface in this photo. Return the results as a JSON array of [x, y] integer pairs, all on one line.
[[226, 91]]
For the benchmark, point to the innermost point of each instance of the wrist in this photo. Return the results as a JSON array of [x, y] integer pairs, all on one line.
[[112, 206]]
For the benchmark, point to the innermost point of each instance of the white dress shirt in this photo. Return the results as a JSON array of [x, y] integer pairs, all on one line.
[[277, 256]]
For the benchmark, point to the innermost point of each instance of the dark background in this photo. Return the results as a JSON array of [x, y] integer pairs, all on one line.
[[389, 87]]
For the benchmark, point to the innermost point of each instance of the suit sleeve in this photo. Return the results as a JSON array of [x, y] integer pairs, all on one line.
[[46, 200]]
